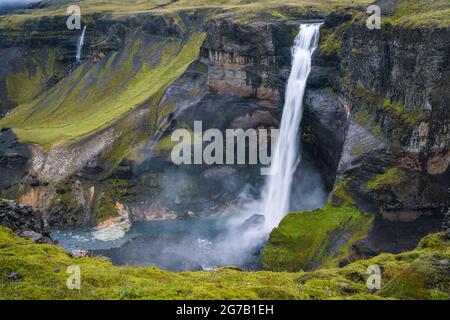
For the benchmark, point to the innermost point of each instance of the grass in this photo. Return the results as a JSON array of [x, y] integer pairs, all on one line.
[[96, 94], [245, 10], [43, 268], [29, 76], [420, 13], [306, 240]]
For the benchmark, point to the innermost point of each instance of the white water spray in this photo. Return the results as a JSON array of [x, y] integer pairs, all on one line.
[[80, 45], [286, 156]]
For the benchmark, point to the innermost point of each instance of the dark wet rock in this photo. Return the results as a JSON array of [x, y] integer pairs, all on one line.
[[15, 276], [324, 130], [258, 118], [24, 221]]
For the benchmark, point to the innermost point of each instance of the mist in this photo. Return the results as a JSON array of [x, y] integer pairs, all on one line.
[[213, 234]]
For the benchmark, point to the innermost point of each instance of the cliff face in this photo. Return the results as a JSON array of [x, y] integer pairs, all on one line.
[[107, 122], [397, 151], [250, 60], [376, 121], [24, 221], [377, 111]]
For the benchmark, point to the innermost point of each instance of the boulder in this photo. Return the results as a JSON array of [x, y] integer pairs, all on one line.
[[25, 221]]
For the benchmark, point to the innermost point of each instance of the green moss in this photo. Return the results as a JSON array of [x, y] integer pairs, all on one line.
[[340, 195], [434, 242], [105, 208], [308, 240], [24, 86], [409, 118], [384, 118], [119, 189], [391, 177], [420, 13], [165, 145], [330, 43], [64, 193], [29, 78], [43, 269], [94, 95]]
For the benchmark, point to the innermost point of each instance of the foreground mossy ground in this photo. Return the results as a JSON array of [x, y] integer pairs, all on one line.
[[419, 274]]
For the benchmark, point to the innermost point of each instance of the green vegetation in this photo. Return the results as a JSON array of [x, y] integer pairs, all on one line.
[[244, 10], [105, 208], [330, 43], [165, 145], [307, 240], [331, 39], [399, 112], [28, 77], [43, 268], [383, 117], [391, 177], [420, 13], [23, 86], [97, 94], [341, 197]]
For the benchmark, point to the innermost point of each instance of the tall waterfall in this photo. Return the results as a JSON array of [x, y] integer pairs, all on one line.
[[286, 156], [80, 45]]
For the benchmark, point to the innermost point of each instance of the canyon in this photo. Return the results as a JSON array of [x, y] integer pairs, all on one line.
[[86, 136]]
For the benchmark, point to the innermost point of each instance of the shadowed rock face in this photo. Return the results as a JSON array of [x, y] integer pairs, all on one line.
[[249, 61], [25, 221], [393, 83], [14, 161], [407, 77]]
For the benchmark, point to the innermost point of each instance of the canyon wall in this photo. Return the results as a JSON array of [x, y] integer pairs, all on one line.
[[376, 122]]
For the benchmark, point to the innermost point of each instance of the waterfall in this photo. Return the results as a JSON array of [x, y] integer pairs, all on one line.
[[286, 156], [80, 45]]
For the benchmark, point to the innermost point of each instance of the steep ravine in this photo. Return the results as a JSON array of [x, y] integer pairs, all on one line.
[[380, 95], [376, 125]]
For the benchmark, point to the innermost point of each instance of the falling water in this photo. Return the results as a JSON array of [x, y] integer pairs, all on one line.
[[80, 45], [286, 157]]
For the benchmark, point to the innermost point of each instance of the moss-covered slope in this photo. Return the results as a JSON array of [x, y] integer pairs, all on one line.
[[307, 240], [244, 10], [98, 93], [42, 275]]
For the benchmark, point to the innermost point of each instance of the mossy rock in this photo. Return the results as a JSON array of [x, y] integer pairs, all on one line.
[[42, 268], [308, 240], [105, 209]]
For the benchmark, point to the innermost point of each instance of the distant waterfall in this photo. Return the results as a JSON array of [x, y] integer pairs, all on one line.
[[286, 156], [80, 45]]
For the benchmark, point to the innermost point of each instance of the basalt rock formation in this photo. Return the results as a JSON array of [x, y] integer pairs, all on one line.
[[378, 98]]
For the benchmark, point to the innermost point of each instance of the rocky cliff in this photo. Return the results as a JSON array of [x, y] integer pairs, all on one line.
[[378, 112], [85, 142], [24, 221]]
